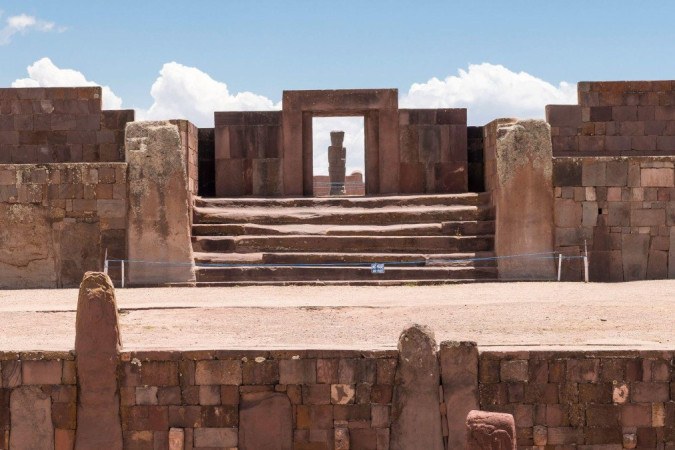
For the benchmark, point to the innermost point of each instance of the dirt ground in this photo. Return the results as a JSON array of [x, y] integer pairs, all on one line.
[[542, 315]]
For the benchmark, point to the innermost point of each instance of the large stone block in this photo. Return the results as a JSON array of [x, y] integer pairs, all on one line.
[[97, 344], [415, 409], [31, 419], [635, 251], [265, 421], [523, 198], [459, 377], [160, 205]]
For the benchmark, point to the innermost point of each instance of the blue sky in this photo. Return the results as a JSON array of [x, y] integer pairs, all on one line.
[[264, 47]]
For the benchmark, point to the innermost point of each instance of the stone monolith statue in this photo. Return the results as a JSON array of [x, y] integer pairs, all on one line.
[[336, 163]]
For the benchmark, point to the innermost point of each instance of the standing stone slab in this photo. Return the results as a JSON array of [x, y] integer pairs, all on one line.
[[490, 431], [265, 421], [158, 221], [31, 419], [97, 346], [459, 376], [523, 198], [416, 418]]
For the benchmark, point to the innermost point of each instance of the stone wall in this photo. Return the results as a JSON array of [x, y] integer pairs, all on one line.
[[595, 400], [354, 185], [433, 150], [248, 153], [616, 118], [222, 398], [57, 221], [624, 209], [38, 400], [47, 125]]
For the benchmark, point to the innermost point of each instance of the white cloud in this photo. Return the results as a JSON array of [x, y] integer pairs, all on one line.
[[44, 73], [22, 24], [490, 91], [182, 92]]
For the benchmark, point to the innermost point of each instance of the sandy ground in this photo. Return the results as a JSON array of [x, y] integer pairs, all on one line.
[[542, 315]]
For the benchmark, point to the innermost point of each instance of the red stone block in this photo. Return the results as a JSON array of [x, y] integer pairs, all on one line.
[[297, 371], [327, 371], [316, 394], [315, 417], [563, 115], [41, 372]]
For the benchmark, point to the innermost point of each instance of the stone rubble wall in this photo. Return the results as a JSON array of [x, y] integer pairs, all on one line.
[[57, 221], [616, 118], [54, 125], [624, 209]]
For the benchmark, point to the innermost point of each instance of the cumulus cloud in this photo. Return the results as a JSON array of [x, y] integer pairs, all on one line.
[[44, 73], [490, 91], [23, 24], [182, 92]]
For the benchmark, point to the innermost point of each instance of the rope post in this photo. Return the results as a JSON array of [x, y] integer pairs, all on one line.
[[560, 258], [105, 262], [585, 262], [122, 285]]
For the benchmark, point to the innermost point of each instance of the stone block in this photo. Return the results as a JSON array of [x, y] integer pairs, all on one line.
[[413, 178], [342, 394], [591, 144], [327, 371], [594, 173], [316, 394], [314, 417], [490, 431], [31, 419], [265, 421], [635, 250], [650, 392], [624, 113], [212, 372], [563, 115], [583, 370], [616, 173], [41, 372], [618, 143], [657, 177], [665, 143], [297, 371], [416, 418], [459, 378], [215, 437], [568, 213], [566, 172]]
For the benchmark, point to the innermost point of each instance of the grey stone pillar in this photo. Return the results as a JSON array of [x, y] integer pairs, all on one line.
[[160, 204], [97, 347], [337, 156]]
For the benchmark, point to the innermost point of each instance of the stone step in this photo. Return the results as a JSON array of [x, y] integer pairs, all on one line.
[[477, 259], [343, 216], [347, 244], [320, 274], [470, 199], [416, 229]]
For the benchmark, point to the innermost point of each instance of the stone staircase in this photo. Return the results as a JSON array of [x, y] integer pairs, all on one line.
[[420, 239]]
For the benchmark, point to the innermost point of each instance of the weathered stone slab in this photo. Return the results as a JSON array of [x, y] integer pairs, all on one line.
[[416, 418], [490, 431], [265, 421], [158, 224], [31, 419], [97, 345], [459, 376], [635, 251], [523, 197]]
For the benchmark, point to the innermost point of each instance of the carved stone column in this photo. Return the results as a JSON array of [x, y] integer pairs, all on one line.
[[337, 156]]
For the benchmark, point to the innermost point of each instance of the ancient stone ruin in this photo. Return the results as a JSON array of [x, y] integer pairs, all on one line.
[[337, 156], [168, 203]]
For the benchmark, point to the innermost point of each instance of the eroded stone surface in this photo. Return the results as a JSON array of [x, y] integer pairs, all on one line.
[[97, 344], [416, 418], [490, 431], [158, 223], [265, 421], [31, 419], [459, 376]]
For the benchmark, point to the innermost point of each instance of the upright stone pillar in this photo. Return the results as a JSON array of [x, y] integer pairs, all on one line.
[[416, 417], [519, 173], [459, 376], [337, 156], [490, 431], [160, 203], [97, 347]]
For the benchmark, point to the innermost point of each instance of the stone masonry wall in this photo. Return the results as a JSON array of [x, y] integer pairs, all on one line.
[[624, 208], [57, 220], [587, 400], [433, 150], [38, 400], [616, 118], [329, 397], [49, 125]]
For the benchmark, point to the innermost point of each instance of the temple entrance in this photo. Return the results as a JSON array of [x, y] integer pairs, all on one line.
[[338, 156]]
